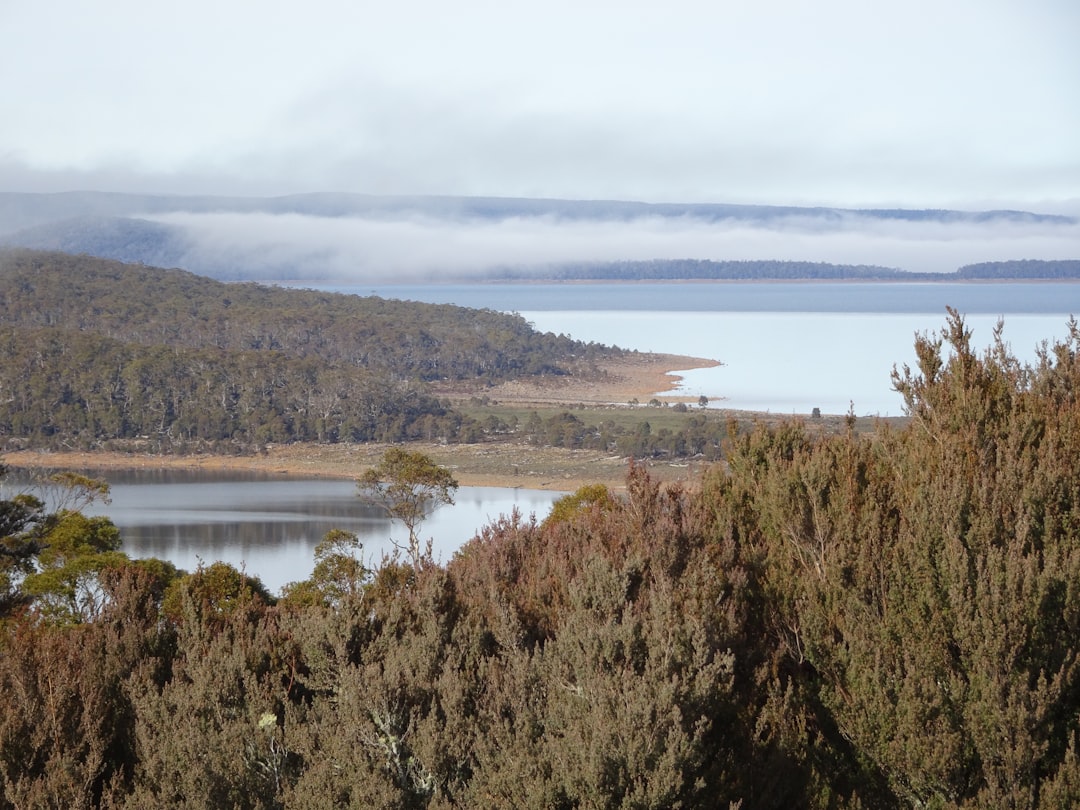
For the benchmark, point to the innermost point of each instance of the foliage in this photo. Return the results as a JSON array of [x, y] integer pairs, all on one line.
[[97, 351], [854, 620], [408, 486], [699, 434], [586, 497], [56, 560], [339, 574], [212, 593]]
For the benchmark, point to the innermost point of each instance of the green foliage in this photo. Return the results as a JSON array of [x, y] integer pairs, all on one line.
[[56, 561], [98, 351], [339, 575], [586, 497], [212, 593], [924, 581], [626, 433], [408, 486], [76, 549]]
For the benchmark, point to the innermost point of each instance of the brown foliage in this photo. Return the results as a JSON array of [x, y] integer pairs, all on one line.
[[878, 620]]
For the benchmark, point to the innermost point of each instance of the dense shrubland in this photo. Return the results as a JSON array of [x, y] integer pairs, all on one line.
[[864, 620]]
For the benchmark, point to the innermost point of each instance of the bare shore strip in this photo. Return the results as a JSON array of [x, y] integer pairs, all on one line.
[[497, 464], [635, 377]]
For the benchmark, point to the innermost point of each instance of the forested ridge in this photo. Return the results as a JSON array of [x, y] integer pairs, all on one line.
[[158, 230], [153, 306], [883, 619], [97, 350]]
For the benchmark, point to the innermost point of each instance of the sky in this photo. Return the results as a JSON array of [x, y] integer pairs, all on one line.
[[926, 103]]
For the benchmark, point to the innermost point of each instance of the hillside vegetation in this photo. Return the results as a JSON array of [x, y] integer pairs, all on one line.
[[886, 620], [97, 350]]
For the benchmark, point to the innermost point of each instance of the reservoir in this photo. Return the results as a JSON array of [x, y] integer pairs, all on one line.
[[786, 347]]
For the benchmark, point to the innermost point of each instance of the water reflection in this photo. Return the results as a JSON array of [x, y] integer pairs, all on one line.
[[270, 525]]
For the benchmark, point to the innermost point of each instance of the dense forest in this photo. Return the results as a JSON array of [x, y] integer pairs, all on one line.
[[97, 351], [884, 619]]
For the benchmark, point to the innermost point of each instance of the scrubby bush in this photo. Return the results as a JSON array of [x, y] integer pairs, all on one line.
[[883, 619]]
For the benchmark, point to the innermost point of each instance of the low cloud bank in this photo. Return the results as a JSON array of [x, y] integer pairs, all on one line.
[[301, 247]]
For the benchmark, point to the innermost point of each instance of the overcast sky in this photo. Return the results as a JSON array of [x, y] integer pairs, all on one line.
[[923, 103]]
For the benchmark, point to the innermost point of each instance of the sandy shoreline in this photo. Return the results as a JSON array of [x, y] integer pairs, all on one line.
[[638, 376], [501, 464]]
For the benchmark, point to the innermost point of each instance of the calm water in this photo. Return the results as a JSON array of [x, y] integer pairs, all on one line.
[[271, 526], [987, 298], [786, 347], [792, 362]]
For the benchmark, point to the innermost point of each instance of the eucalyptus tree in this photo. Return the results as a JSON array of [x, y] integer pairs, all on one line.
[[408, 486]]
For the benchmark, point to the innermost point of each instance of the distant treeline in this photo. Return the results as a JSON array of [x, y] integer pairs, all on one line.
[[703, 269], [1021, 269], [767, 270]]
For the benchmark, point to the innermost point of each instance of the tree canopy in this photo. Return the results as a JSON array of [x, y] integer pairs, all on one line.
[[408, 486], [97, 351]]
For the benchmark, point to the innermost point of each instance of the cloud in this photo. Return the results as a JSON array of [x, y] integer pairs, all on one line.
[[837, 102], [363, 249]]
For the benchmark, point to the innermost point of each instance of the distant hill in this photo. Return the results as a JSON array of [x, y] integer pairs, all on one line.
[[1019, 270], [125, 239], [705, 270], [770, 270], [19, 210], [97, 351]]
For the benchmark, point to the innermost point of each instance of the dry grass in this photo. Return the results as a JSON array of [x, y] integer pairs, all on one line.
[[638, 376]]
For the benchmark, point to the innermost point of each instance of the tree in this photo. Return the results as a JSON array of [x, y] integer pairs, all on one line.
[[586, 497], [55, 559], [339, 574], [408, 486]]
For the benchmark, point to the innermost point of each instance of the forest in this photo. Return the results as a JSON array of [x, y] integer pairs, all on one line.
[[772, 270], [97, 351], [879, 619], [104, 355]]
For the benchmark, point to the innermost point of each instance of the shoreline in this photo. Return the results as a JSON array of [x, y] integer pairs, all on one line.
[[640, 376]]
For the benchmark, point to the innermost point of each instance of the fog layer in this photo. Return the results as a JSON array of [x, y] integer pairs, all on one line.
[[300, 247]]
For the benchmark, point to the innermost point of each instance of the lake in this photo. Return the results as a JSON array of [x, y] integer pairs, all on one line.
[[786, 347], [271, 525]]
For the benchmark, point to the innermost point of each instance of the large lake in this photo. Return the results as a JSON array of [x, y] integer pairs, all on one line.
[[785, 347]]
